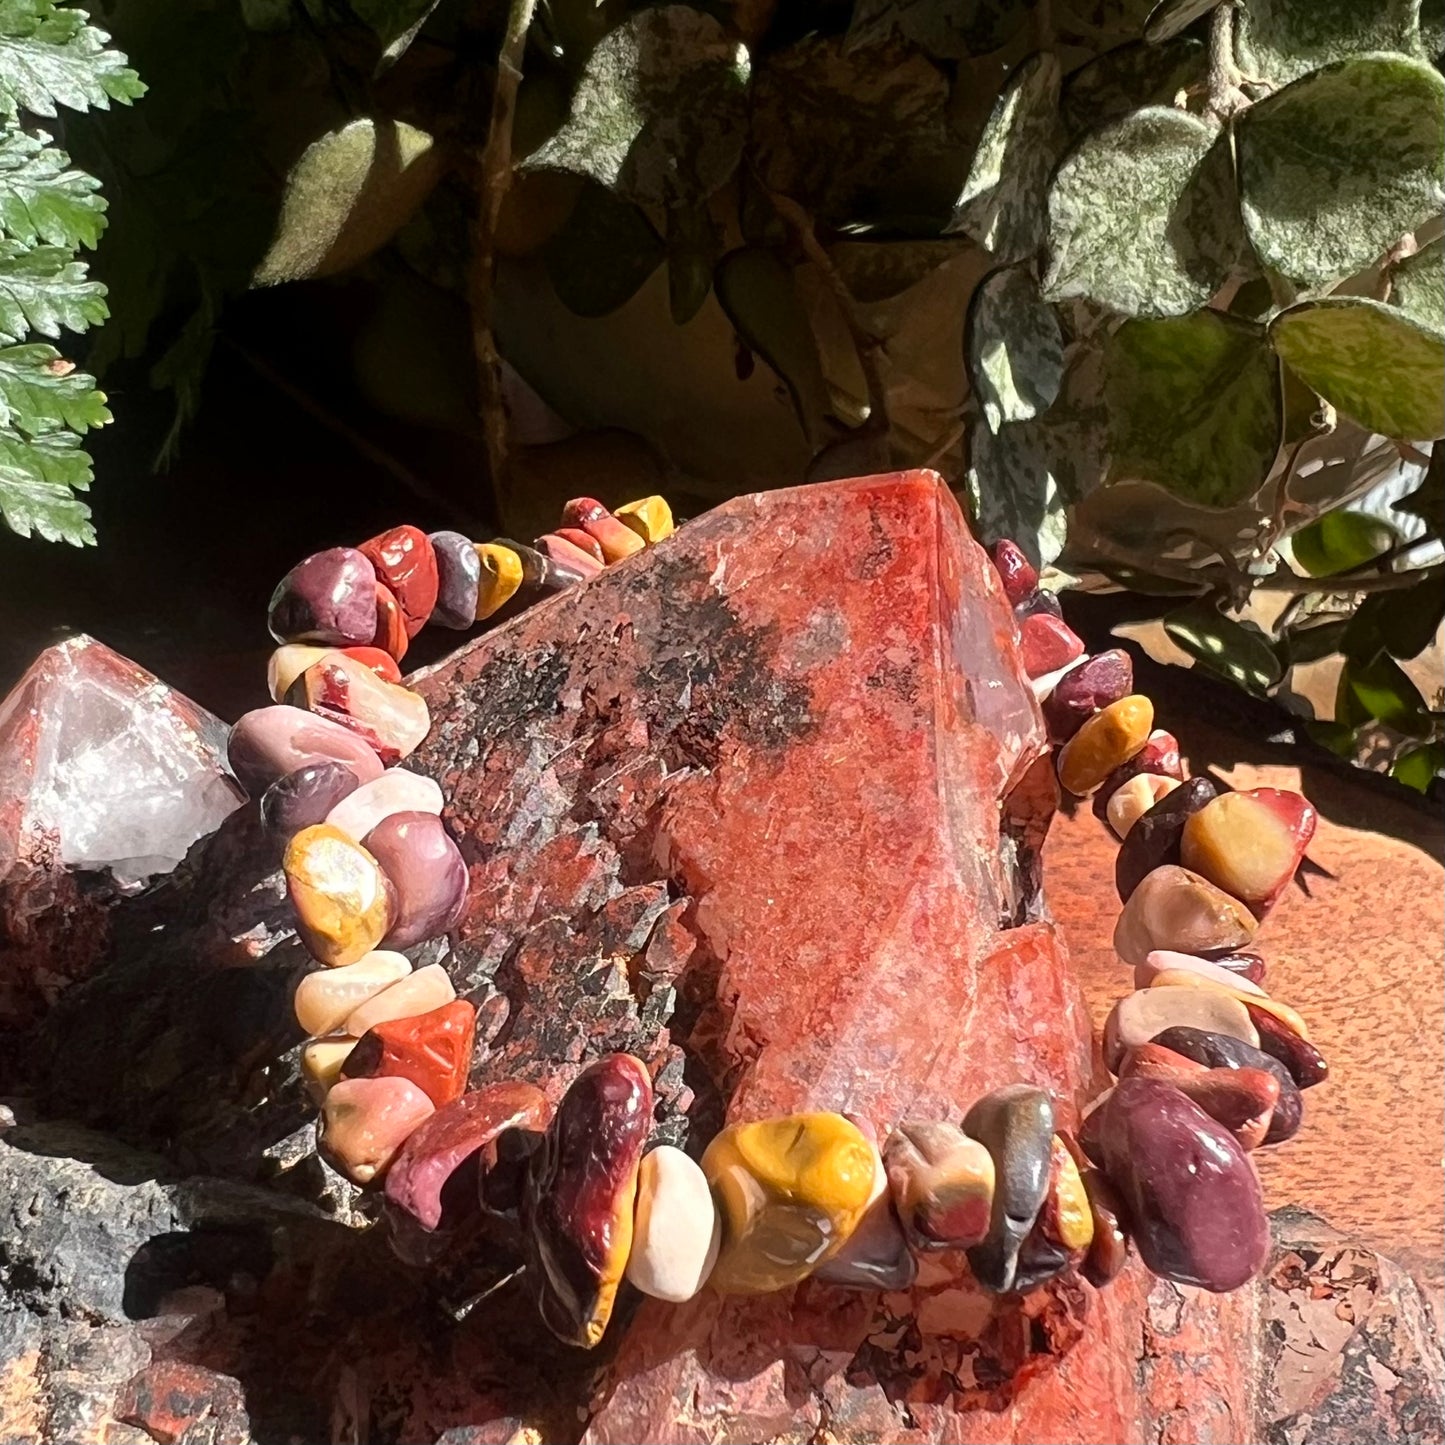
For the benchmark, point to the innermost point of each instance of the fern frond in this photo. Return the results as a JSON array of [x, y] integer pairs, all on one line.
[[51, 55], [39, 477], [43, 198]]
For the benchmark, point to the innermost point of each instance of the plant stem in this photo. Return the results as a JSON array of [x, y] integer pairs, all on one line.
[[494, 175], [1225, 97]]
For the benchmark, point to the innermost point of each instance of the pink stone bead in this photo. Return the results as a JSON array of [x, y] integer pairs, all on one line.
[[1161, 960], [568, 554], [364, 1122], [395, 791], [427, 871], [409, 997], [269, 742], [1047, 643]]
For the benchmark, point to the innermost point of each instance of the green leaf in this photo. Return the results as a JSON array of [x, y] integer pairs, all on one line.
[[1013, 488], [1169, 17], [43, 198], [1419, 767], [1315, 641], [1236, 651], [1015, 348], [40, 392], [946, 29], [395, 22], [1280, 40], [347, 196], [45, 290], [694, 243], [1337, 737], [1370, 360], [1427, 501], [756, 291], [1417, 284], [50, 56], [661, 112], [600, 257], [1341, 541], [1143, 216], [38, 479], [1122, 80], [1001, 205], [1404, 623], [1194, 406], [1381, 691], [1334, 168]]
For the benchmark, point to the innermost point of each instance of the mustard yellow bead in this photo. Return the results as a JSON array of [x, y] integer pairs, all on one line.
[[1109, 738], [501, 578], [650, 518], [790, 1191], [343, 901], [1073, 1216]]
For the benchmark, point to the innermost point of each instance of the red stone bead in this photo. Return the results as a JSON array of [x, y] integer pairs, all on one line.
[[406, 562], [433, 1050], [581, 510], [391, 634], [382, 663], [567, 553], [580, 539], [1018, 575], [1047, 644]]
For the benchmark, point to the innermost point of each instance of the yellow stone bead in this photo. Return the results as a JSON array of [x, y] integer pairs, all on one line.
[[501, 577], [342, 899], [1073, 1216], [287, 663], [321, 1061], [650, 518], [790, 1192], [1186, 978], [1132, 799], [1109, 738]]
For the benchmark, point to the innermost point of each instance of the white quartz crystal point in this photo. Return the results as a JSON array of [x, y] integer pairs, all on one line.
[[676, 1230], [102, 766]]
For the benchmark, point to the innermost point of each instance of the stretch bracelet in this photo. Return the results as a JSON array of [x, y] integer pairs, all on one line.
[[1208, 1067]]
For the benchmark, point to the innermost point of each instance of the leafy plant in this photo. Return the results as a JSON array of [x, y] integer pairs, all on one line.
[[50, 57]]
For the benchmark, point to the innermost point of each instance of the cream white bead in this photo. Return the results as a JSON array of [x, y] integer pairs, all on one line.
[[676, 1230]]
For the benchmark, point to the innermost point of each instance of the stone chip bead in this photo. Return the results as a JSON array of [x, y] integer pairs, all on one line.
[[391, 635], [1243, 1100], [1178, 910], [583, 541], [321, 1061], [324, 1000], [1047, 643], [1105, 740], [942, 1184], [269, 742], [1290, 1046], [791, 1191], [459, 575], [427, 873], [500, 577], [676, 1231], [405, 561], [876, 1255], [395, 791], [1064, 1229], [364, 1122], [1195, 1205], [1249, 843], [392, 719], [1160, 754], [649, 517], [1108, 1251], [329, 599], [418, 993], [1140, 1016], [345, 905], [432, 1049], [291, 659], [1155, 837], [1019, 576], [615, 538], [1016, 1125], [1250, 995], [1167, 960], [1133, 799], [1091, 684], [435, 1177], [1222, 1051], [305, 797], [580, 1196], [567, 553]]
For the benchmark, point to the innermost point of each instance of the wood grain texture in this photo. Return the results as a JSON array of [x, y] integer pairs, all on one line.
[[1362, 960]]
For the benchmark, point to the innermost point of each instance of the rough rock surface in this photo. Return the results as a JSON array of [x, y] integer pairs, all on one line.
[[759, 806]]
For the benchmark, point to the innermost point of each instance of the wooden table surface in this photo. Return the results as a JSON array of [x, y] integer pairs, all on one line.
[[1363, 960]]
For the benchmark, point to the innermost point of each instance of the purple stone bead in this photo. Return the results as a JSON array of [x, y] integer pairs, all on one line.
[[1194, 1200], [1093, 684], [417, 854], [1155, 838], [269, 742], [329, 599], [459, 573], [1246, 965], [1220, 1051], [306, 796]]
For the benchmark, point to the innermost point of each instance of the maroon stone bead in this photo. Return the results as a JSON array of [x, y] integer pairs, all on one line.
[[580, 1193], [1306, 1065], [1047, 643], [1194, 1200], [459, 574], [1220, 1051], [1080, 692], [417, 854], [1246, 965], [404, 561], [306, 796], [1154, 840], [435, 1177], [1019, 576], [328, 599], [1160, 754]]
